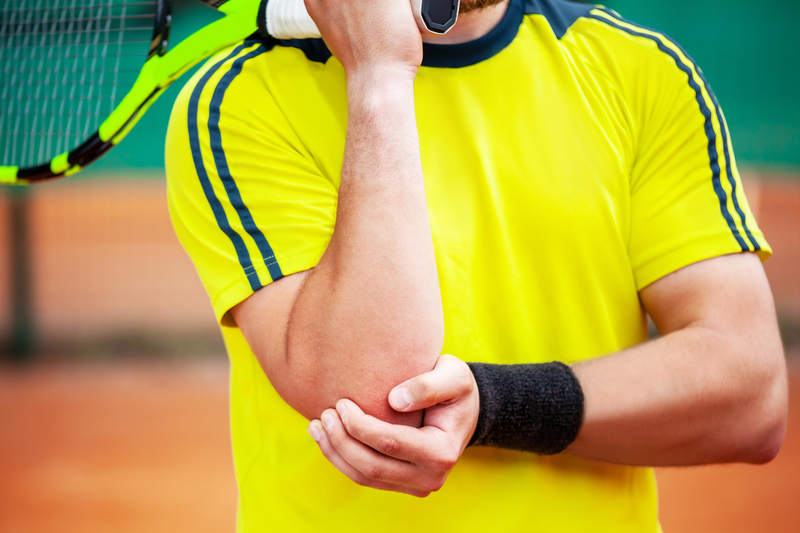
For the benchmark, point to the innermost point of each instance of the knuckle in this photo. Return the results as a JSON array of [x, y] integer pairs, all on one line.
[[448, 359], [373, 471], [444, 465], [446, 462], [435, 484], [425, 390], [361, 481], [466, 383], [387, 445], [336, 440]]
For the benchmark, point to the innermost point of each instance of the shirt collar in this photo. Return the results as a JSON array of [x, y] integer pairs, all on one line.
[[473, 52]]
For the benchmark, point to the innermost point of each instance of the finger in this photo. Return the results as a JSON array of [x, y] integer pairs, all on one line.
[[317, 432], [370, 463], [405, 443], [450, 379]]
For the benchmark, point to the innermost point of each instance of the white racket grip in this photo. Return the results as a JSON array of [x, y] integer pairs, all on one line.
[[289, 19]]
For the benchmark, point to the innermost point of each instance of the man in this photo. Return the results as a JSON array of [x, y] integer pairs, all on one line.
[[577, 175]]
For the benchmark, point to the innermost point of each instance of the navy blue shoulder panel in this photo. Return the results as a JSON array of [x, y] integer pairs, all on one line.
[[314, 49], [560, 15]]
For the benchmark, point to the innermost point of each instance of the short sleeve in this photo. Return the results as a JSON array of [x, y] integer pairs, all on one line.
[[247, 200], [687, 201]]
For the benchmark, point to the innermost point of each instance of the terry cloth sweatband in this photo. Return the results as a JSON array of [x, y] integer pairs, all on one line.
[[532, 408]]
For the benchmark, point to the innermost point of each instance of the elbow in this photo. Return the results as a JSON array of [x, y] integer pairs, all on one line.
[[768, 436], [769, 447], [766, 446], [359, 355], [763, 437], [311, 379]]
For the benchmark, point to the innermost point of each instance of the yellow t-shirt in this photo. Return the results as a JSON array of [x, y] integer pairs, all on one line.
[[571, 158]]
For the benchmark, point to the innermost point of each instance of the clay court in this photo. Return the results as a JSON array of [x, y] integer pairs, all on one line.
[[132, 447], [121, 422]]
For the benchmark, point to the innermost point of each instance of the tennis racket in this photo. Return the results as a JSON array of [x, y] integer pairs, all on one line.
[[78, 74]]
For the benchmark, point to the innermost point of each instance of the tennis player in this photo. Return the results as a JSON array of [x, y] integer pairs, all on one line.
[[518, 194]]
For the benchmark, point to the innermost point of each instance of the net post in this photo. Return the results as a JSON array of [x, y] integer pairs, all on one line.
[[21, 342]]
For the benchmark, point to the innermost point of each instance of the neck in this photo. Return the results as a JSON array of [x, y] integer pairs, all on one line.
[[471, 26]]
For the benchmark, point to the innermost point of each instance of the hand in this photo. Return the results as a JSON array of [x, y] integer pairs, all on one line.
[[400, 458], [369, 35]]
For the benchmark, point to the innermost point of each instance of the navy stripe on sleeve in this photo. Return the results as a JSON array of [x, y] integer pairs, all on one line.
[[729, 167], [713, 153], [219, 212], [223, 169]]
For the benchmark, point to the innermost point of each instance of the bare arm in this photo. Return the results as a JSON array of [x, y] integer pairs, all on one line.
[[713, 389], [369, 315]]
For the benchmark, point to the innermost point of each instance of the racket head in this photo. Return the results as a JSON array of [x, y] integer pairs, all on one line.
[[66, 65], [140, 65]]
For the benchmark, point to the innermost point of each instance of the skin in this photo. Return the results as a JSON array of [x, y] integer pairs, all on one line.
[[369, 316], [713, 389]]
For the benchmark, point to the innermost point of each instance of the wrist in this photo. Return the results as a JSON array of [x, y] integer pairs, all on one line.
[[535, 408], [377, 87], [381, 72]]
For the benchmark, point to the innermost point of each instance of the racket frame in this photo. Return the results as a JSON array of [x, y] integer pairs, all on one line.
[[161, 68]]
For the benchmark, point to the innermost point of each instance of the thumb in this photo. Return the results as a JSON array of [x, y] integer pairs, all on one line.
[[448, 380]]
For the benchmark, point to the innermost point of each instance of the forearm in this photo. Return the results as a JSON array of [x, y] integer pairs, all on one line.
[[369, 315], [712, 389], [695, 396]]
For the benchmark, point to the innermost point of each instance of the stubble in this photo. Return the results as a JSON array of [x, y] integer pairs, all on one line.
[[473, 5]]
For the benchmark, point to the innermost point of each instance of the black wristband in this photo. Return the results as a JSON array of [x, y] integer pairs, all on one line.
[[533, 408]]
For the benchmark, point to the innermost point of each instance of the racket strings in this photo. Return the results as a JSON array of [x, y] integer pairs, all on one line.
[[66, 64], [70, 8]]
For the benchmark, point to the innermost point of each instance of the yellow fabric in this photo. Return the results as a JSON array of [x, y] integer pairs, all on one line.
[[562, 174]]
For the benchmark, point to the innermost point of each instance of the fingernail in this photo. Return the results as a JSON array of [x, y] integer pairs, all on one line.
[[327, 421], [399, 398], [341, 408], [315, 433]]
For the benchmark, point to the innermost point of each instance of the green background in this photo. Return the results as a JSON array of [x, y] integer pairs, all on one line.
[[750, 54], [748, 50]]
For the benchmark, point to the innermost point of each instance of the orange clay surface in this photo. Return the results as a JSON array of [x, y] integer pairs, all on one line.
[[106, 263], [143, 446]]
